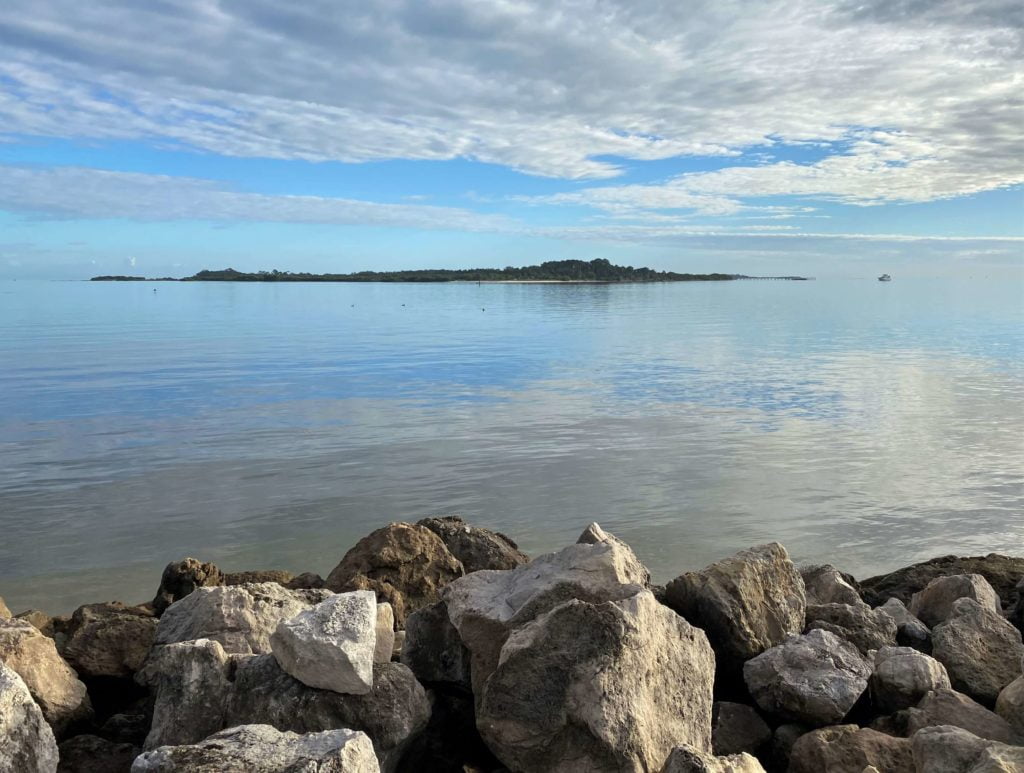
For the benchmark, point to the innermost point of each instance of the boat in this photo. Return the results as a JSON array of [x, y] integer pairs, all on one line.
[[885, 278]]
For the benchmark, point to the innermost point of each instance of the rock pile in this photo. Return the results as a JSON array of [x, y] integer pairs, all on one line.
[[440, 646]]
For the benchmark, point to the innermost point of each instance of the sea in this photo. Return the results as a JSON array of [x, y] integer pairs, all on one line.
[[260, 426]]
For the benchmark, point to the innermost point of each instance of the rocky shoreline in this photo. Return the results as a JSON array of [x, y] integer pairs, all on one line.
[[439, 646]]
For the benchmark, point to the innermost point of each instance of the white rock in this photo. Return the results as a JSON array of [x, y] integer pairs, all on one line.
[[5, 613], [331, 646], [27, 744], [933, 604], [903, 676], [385, 625], [824, 584]]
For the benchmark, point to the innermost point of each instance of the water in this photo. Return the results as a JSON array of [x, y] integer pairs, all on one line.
[[271, 426]]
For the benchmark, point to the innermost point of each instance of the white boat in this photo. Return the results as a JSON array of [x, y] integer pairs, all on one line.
[[885, 278]]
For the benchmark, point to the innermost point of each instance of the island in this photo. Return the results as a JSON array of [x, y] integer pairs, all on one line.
[[554, 271]]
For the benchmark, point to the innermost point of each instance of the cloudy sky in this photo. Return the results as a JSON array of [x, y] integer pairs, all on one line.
[[827, 138]]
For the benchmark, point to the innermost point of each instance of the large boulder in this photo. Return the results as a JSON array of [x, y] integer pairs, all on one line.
[[262, 749], [248, 577], [746, 603], [94, 754], [405, 565], [689, 759], [603, 687], [109, 640], [27, 744], [486, 606], [240, 617], [182, 577], [1010, 705], [934, 603], [949, 749], [1002, 573], [477, 548], [865, 628], [910, 632], [52, 683], [736, 728], [433, 650], [903, 676], [948, 707], [981, 651], [824, 584], [392, 714], [850, 749], [331, 645], [814, 679]]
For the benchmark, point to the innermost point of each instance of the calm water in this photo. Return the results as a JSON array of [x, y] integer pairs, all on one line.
[[264, 426]]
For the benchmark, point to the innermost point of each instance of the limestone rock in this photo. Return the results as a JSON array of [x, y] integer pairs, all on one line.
[[602, 687], [393, 713], [824, 584], [910, 632], [485, 606], [262, 749], [746, 603], [595, 535], [305, 580], [405, 565], [240, 617], [331, 646], [949, 749], [109, 640], [948, 707], [51, 682], [981, 651], [93, 754], [280, 576], [182, 577], [850, 749], [1002, 573], [815, 678], [433, 649], [903, 676], [865, 628], [688, 759], [736, 727], [1010, 705], [385, 634], [191, 683], [42, 621], [477, 548], [934, 604], [27, 744], [5, 613]]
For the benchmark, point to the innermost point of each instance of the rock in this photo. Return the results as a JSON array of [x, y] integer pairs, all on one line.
[[736, 727], [605, 687], [92, 754], [109, 640], [1016, 614], [903, 676], [392, 714], [688, 759], [948, 749], [405, 565], [1002, 573], [1010, 705], [981, 651], [475, 547], [815, 678], [396, 648], [39, 619], [27, 744], [783, 738], [280, 576], [746, 603], [897, 723], [850, 749], [331, 646], [862, 626], [191, 682], [910, 632], [305, 580], [5, 613], [385, 634], [433, 649], [262, 749], [948, 707], [824, 584], [485, 606], [51, 682], [128, 727], [180, 578], [450, 741], [240, 617], [934, 604]]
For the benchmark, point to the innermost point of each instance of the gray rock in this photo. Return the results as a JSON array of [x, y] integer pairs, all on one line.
[[240, 617], [1002, 573], [1010, 705], [602, 687], [1016, 613], [688, 759], [934, 604], [948, 707], [475, 547], [862, 626], [736, 727], [393, 713], [903, 676], [109, 640], [51, 682], [746, 603], [93, 754], [815, 678], [262, 749], [27, 744], [280, 576], [385, 636], [331, 645], [191, 684], [783, 738], [981, 651], [180, 578], [910, 632], [850, 749], [433, 649], [949, 749], [304, 581], [824, 584]]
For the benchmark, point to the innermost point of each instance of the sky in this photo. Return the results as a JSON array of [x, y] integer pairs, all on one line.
[[829, 139]]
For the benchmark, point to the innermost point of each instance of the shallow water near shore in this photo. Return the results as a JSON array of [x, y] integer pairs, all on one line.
[[272, 425]]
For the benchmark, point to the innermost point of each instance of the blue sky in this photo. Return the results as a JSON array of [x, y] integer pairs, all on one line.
[[831, 139]]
